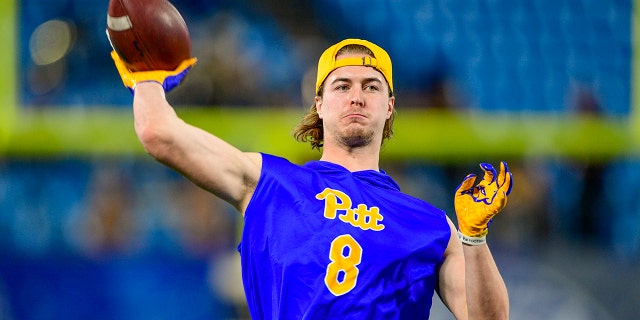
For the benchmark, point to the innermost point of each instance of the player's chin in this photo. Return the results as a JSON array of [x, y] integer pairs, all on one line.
[[356, 137]]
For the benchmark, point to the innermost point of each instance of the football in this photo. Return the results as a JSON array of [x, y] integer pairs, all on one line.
[[148, 34]]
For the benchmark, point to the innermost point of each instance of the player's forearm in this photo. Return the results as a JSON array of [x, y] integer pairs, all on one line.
[[487, 296], [153, 117]]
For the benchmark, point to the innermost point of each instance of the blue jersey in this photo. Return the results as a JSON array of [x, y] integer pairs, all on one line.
[[321, 242]]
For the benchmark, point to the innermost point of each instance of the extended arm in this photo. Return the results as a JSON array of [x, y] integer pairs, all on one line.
[[205, 159]]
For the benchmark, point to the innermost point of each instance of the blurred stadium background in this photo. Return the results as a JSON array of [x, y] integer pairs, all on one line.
[[92, 228]]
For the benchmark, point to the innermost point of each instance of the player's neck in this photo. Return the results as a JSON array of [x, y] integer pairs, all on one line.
[[354, 159]]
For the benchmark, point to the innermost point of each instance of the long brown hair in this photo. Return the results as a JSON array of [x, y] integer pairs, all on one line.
[[310, 127]]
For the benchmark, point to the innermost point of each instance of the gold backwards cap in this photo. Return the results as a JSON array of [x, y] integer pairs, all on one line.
[[327, 63]]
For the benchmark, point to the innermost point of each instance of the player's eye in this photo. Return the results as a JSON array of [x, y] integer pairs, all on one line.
[[371, 88]]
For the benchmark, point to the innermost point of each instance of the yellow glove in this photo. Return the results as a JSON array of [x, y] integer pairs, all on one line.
[[476, 206], [168, 79]]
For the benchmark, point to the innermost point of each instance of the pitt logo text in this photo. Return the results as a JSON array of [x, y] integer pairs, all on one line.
[[360, 217]]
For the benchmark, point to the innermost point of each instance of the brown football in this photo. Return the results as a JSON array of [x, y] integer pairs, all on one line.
[[148, 34]]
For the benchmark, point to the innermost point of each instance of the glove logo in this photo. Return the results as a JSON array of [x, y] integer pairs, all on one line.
[[476, 205]]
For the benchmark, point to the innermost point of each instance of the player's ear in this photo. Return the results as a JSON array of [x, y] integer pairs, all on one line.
[[390, 106], [318, 103]]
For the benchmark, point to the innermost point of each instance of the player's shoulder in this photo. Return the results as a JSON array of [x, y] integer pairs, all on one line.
[[254, 157]]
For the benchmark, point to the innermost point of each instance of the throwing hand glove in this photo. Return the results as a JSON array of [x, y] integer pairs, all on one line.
[[476, 205], [168, 79]]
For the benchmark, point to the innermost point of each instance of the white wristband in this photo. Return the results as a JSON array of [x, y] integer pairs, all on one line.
[[472, 241]]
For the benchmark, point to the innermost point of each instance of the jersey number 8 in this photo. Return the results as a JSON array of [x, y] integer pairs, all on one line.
[[342, 273]]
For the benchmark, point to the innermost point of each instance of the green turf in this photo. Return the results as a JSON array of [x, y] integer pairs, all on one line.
[[419, 134]]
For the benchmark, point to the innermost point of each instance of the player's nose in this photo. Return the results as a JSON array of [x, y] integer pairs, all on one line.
[[356, 98]]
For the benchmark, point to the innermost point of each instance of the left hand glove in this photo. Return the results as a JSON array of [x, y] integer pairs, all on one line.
[[476, 206], [168, 79]]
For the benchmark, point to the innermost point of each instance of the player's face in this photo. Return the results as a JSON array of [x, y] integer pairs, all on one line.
[[354, 106]]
